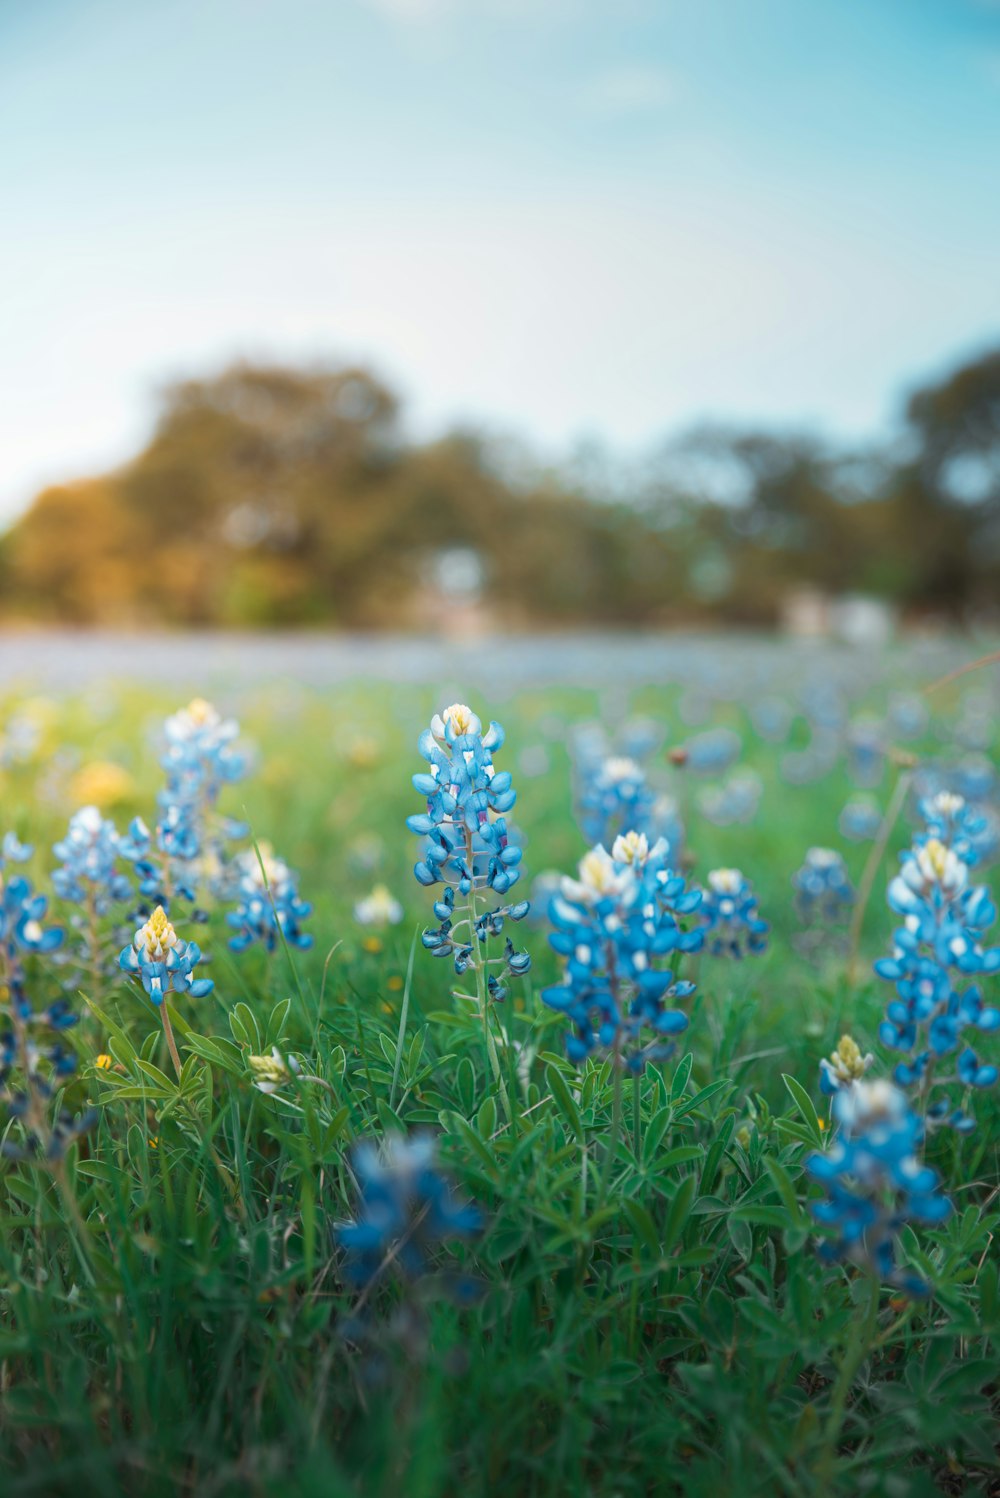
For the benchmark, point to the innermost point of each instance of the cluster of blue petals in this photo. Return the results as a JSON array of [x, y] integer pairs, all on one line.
[[612, 927], [171, 971], [267, 914], [89, 854], [468, 846], [407, 1206], [733, 924], [939, 946], [874, 1183], [824, 894]]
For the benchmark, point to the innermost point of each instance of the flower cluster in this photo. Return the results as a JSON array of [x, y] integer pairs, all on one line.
[[824, 894], [185, 846], [407, 1206], [200, 757], [468, 847], [730, 916], [937, 947], [846, 1065], [613, 925], [268, 906], [32, 1072], [162, 962], [88, 874], [873, 1182]]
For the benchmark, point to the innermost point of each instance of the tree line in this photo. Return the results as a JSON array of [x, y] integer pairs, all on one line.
[[272, 496]]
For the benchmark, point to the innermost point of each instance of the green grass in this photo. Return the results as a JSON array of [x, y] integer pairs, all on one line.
[[186, 1328]]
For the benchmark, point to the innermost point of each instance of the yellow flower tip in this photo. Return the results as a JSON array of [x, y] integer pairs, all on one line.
[[743, 1137], [268, 1068], [460, 716], [822, 1124], [630, 847], [104, 1062], [157, 936], [154, 1141], [200, 711]]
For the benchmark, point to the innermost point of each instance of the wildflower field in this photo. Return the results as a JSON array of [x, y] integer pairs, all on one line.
[[601, 1103]]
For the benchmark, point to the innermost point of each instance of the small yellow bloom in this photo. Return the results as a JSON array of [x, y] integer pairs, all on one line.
[[395, 983], [154, 1141], [101, 784], [372, 944], [104, 1062]]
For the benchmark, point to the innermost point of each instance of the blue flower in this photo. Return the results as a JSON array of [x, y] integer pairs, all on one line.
[[824, 894], [200, 757], [613, 925], [730, 915], [873, 1182], [468, 846], [406, 1207], [939, 945], [267, 903], [89, 872], [162, 962]]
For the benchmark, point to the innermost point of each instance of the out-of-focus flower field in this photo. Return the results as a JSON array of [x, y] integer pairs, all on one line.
[[320, 1177]]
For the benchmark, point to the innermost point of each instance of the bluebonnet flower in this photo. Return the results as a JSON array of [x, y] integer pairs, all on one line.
[[32, 1072], [866, 752], [824, 894], [162, 962], [939, 944], [950, 819], [873, 1182], [468, 847], [407, 1206], [845, 1066], [613, 925], [89, 873], [21, 914], [713, 752], [200, 756], [860, 820], [730, 916], [268, 905], [612, 795]]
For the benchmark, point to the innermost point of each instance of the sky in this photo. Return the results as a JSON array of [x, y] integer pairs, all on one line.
[[572, 220]]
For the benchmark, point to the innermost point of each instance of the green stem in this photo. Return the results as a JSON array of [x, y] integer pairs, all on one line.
[[616, 1128], [637, 1115], [859, 1344], [482, 992]]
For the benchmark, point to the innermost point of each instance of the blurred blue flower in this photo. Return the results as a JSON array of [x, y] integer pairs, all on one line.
[[267, 903], [874, 1183], [406, 1207], [729, 913], [89, 873], [824, 894]]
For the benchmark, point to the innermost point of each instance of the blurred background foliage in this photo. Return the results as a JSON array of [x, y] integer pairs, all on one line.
[[292, 497]]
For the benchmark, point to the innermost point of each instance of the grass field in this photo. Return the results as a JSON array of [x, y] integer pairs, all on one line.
[[640, 1315]]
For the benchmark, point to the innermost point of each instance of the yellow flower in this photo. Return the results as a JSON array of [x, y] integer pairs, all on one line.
[[157, 936], [104, 1062], [102, 784], [395, 983], [372, 944]]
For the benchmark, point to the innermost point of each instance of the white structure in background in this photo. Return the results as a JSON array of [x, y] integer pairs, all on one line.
[[853, 618]]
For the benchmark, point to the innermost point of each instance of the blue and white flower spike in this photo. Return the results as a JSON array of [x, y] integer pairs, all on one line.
[[873, 1182], [938, 946], [406, 1207], [468, 846], [733, 925], [824, 894], [267, 901], [162, 962], [613, 925], [845, 1066]]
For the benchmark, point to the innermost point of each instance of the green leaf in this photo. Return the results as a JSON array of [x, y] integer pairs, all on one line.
[[804, 1104], [678, 1214], [564, 1102]]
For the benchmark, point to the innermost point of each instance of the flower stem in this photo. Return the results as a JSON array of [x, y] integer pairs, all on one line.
[[871, 869], [168, 1031], [616, 1127], [862, 1335]]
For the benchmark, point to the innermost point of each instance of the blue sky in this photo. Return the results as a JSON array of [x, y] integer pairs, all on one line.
[[565, 218]]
